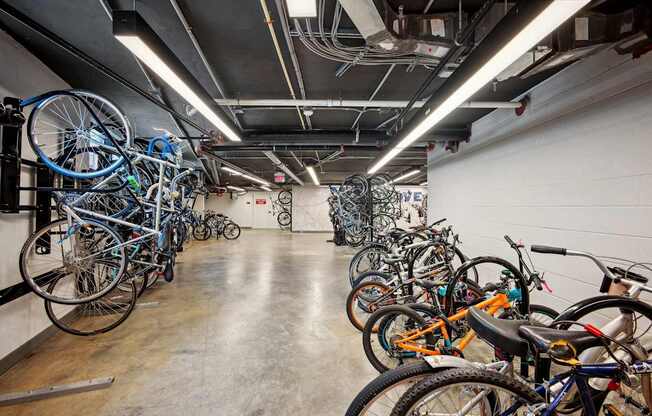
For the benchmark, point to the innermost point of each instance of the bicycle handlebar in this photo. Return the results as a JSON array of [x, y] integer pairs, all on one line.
[[565, 252], [548, 250]]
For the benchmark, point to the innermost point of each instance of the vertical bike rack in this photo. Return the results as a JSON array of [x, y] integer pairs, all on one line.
[[11, 162]]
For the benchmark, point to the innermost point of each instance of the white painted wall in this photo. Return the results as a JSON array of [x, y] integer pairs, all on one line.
[[21, 75], [574, 171], [244, 210], [310, 209]]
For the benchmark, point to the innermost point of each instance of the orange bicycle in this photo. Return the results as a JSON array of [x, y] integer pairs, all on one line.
[[406, 332]]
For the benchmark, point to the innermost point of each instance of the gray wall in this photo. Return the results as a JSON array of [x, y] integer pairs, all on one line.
[[21, 75], [574, 171]]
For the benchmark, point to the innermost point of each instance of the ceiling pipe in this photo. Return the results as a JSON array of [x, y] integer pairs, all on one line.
[[373, 94], [200, 52], [293, 55], [279, 54], [329, 102], [277, 162]]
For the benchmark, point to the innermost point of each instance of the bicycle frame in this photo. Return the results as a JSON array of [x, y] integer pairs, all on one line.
[[73, 211], [491, 306]]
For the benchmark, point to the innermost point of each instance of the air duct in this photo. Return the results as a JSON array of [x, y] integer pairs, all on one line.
[[428, 36]]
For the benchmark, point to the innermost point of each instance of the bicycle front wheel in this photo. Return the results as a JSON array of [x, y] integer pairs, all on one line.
[[468, 391], [69, 140], [86, 260]]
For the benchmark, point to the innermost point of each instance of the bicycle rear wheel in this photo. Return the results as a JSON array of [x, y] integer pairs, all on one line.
[[86, 260], [97, 316], [284, 219], [231, 231]]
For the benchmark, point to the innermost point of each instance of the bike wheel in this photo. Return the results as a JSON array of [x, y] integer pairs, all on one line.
[[87, 260], [367, 259], [71, 142], [202, 232], [97, 316], [285, 197], [359, 303], [231, 231], [381, 395], [284, 218], [391, 322], [487, 393]]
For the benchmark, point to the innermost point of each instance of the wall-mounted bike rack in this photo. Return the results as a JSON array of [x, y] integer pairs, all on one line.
[[11, 164]]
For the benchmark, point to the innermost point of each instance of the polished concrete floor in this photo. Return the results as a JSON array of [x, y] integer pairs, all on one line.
[[250, 327]]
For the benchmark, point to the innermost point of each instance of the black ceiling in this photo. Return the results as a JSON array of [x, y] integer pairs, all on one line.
[[237, 43]]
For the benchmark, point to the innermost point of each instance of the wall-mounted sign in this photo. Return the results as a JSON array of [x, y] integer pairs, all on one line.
[[261, 201], [279, 177]]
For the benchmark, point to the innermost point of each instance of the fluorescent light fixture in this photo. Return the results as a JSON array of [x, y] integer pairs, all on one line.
[[134, 33], [235, 188], [405, 176], [423, 183], [231, 171], [244, 175], [302, 8], [265, 188], [313, 175], [547, 21]]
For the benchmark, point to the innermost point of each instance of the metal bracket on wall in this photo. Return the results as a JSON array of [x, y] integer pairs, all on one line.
[[55, 391]]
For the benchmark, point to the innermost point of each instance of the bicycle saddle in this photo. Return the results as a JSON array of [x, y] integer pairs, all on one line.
[[392, 260], [515, 337], [499, 333], [559, 343]]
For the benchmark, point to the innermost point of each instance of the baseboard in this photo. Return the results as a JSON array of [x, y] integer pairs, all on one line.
[[26, 349], [313, 232]]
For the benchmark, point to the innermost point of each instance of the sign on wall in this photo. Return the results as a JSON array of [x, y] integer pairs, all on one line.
[[261, 201]]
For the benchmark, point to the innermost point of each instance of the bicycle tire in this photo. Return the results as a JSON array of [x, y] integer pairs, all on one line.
[[285, 197], [38, 239], [202, 232], [353, 300], [284, 218], [354, 272], [383, 314], [66, 322], [124, 129], [231, 231], [465, 377], [386, 382]]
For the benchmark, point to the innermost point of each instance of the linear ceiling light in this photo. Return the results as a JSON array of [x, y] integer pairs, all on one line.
[[244, 175], [423, 183], [405, 176], [235, 188], [313, 175], [265, 188], [302, 8], [231, 171], [547, 21], [133, 32]]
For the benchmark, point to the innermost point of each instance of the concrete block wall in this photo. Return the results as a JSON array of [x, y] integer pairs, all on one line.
[[574, 171], [21, 75]]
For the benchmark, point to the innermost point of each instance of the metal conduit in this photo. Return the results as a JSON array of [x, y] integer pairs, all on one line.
[[329, 102], [279, 54]]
